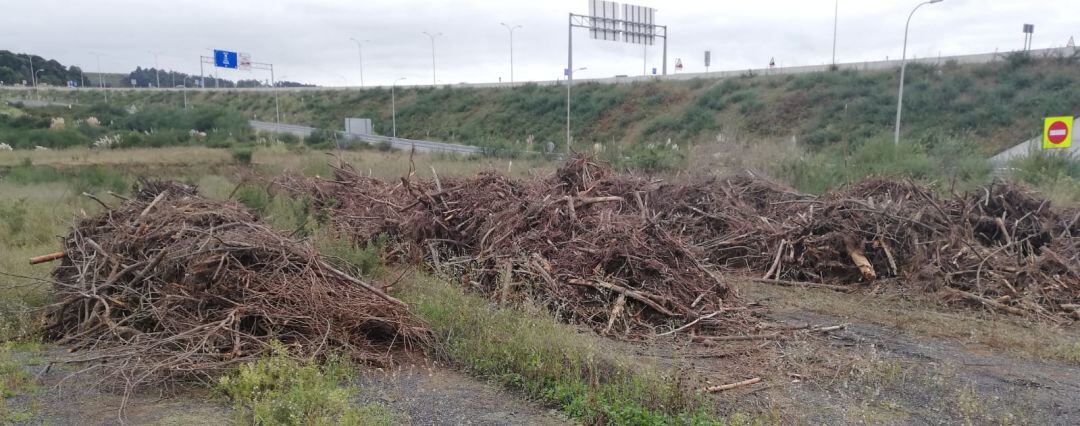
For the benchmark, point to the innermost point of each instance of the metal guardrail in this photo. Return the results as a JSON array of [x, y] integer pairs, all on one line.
[[396, 143]]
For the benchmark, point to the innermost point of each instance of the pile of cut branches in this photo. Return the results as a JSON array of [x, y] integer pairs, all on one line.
[[996, 247], [620, 250], [581, 242], [170, 284]]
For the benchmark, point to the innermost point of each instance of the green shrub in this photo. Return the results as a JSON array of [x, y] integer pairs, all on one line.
[[279, 390], [652, 159], [1043, 166], [364, 261], [241, 155]]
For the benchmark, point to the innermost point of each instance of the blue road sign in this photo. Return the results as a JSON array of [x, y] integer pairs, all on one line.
[[225, 59]]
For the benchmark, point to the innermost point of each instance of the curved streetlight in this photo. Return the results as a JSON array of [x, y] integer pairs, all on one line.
[[511, 29], [360, 50], [903, 67], [393, 106], [432, 37]]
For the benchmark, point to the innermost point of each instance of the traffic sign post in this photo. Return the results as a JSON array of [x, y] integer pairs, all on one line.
[[225, 59], [1057, 132]]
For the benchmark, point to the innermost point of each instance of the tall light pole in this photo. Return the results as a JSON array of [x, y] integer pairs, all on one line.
[[511, 29], [432, 37], [157, 71], [33, 78], [569, 82], [393, 106], [903, 67], [360, 50], [835, 23], [100, 79]]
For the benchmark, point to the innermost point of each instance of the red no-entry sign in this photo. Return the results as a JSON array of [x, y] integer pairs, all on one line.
[[1057, 132]]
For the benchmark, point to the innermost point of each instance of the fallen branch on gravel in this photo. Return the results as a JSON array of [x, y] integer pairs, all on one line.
[[47, 258], [730, 386], [788, 283]]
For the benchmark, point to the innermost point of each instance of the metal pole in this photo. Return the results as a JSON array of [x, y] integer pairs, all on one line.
[[360, 51], [273, 85], [569, 74], [157, 71], [903, 68], [836, 19], [665, 49], [432, 37], [511, 29], [33, 77], [202, 80], [101, 80], [393, 106]]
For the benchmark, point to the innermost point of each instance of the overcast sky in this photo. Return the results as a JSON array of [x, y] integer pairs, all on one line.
[[309, 40]]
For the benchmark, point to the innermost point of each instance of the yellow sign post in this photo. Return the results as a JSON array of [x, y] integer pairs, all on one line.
[[1057, 132]]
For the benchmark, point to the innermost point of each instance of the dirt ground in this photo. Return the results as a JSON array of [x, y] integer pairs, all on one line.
[[870, 373], [433, 395], [424, 393], [866, 373]]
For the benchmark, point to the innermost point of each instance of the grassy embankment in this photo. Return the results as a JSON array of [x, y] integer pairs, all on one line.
[[813, 131]]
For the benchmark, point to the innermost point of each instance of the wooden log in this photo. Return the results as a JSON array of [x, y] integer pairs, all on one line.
[[865, 268], [620, 304], [633, 294], [984, 301], [746, 338], [691, 323], [362, 284], [730, 386], [47, 258]]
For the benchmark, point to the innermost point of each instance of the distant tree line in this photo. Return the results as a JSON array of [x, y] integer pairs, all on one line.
[[15, 70]]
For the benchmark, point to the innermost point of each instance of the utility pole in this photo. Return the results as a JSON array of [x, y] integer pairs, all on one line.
[[360, 50], [432, 37], [903, 67], [393, 106], [511, 28]]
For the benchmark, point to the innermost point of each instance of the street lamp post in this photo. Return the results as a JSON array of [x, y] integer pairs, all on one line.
[[101, 81], [511, 29], [836, 20], [157, 71], [393, 106], [903, 67], [569, 82], [432, 37], [360, 50], [33, 77]]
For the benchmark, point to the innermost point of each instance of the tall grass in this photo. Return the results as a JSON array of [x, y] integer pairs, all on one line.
[[949, 162], [530, 351]]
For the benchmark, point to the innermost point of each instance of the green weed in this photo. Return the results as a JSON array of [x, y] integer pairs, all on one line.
[[279, 390]]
